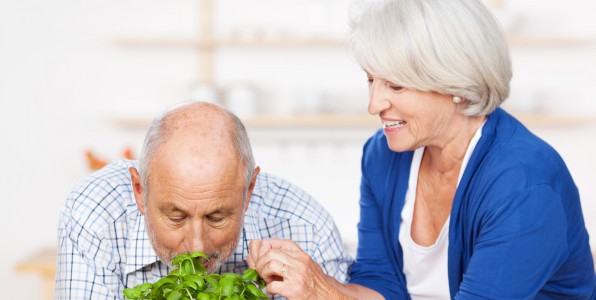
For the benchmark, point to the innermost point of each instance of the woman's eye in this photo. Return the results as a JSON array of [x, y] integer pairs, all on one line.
[[370, 80], [396, 88]]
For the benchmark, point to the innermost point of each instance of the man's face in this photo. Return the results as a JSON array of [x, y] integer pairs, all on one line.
[[186, 213]]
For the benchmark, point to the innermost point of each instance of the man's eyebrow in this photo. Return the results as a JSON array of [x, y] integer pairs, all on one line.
[[170, 208], [221, 211]]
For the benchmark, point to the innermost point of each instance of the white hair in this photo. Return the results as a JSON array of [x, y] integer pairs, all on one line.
[[453, 47], [156, 136]]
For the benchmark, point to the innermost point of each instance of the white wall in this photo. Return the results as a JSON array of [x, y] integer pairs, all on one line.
[[62, 77]]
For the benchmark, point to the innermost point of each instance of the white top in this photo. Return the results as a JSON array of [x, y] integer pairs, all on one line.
[[426, 267]]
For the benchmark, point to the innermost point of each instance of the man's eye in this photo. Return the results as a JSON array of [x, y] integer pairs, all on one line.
[[176, 219], [215, 219]]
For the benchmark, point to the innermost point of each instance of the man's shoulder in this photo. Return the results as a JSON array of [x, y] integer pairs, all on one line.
[[275, 198], [104, 195]]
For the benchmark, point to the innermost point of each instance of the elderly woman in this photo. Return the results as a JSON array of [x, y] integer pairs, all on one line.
[[458, 199]]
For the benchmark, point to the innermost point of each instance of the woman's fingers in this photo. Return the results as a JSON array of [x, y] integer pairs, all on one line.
[[285, 267], [260, 248], [256, 249]]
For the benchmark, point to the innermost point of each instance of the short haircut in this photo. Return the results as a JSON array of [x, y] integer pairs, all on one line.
[[453, 47], [155, 137]]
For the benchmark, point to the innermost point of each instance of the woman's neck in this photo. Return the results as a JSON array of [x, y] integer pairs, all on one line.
[[447, 155]]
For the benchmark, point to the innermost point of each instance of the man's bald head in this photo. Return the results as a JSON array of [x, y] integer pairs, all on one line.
[[196, 134]]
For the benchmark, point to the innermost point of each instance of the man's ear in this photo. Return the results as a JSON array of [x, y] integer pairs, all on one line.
[[137, 188], [251, 187]]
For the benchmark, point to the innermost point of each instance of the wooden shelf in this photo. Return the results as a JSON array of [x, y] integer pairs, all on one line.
[[43, 262], [550, 41], [289, 42], [292, 42], [339, 121], [336, 121]]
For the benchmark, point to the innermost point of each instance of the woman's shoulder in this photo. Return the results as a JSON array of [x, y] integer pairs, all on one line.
[[513, 154]]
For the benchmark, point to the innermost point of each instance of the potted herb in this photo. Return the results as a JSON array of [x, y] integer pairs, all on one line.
[[190, 281]]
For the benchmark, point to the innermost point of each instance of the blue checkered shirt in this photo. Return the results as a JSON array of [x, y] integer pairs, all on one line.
[[103, 246]]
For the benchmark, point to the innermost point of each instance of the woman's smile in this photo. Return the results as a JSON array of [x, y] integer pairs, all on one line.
[[393, 126]]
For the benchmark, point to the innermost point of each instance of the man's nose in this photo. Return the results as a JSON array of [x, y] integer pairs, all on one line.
[[195, 238], [378, 100]]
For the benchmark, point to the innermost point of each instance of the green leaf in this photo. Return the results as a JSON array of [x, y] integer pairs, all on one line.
[[252, 289], [144, 287], [213, 280], [234, 297], [203, 296], [175, 295], [199, 254], [250, 275], [191, 284], [199, 280], [178, 259], [186, 267], [174, 273], [164, 281], [227, 285], [132, 293], [199, 269], [261, 282]]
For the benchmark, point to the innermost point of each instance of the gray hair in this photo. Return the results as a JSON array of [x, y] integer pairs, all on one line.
[[156, 136], [453, 47]]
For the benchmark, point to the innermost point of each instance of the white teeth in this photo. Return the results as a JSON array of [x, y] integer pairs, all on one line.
[[393, 124]]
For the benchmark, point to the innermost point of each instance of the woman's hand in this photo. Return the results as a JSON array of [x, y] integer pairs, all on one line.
[[289, 271]]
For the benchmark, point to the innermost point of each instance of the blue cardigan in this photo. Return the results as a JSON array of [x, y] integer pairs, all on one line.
[[516, 229]]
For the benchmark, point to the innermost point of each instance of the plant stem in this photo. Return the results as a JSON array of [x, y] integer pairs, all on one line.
[[189, 295]]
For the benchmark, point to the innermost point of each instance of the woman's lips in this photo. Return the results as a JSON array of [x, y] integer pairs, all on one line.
[[393, 126]]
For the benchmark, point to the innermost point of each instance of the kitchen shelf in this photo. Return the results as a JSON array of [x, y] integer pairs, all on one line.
[[43, 262], [293, 42], [549, 41], [331, 121], [288, 42], [350, 121]]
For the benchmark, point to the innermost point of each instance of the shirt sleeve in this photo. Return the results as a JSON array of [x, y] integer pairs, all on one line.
[[521, 242], [330, 253], [85, 267]]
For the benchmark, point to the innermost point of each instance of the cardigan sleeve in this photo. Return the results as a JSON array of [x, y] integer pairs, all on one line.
[[374, 267]]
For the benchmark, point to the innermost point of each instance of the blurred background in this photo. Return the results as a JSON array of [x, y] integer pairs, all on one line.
[[81, 80]]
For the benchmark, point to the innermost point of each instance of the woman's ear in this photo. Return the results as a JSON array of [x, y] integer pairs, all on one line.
[[137, 188]]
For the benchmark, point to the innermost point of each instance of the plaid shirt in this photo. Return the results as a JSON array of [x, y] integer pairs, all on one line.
[[103, 246]]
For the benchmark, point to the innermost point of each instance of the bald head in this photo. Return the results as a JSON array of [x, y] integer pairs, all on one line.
[[197, 136]]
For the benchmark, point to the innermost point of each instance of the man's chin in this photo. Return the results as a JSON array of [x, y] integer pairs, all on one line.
[[212, 265]]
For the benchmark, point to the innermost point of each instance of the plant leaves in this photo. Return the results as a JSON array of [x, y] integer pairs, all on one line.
[[203, 296], [189, 281], [227, 285], [256, 292], [132, 293], [250, 275], [175, 295], [198, 254]]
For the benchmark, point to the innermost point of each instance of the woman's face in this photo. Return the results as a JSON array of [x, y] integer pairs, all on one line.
[[411, 119]]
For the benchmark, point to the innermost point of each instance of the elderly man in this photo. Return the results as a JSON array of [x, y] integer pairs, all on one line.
[[195, 188]]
